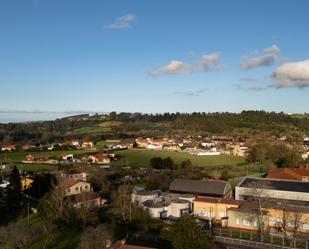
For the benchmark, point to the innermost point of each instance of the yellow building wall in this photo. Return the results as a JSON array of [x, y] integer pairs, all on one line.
[[212, 210], [26, 183], [278, 215]]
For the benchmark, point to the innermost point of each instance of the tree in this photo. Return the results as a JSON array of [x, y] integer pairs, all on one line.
[[55, 207], [42, 184], [225, 175], [185, 233], [17, 235], [156, 163], [122, 201], [139, 219], [13, 192], [159, 163], [262, 198], [95, 238]]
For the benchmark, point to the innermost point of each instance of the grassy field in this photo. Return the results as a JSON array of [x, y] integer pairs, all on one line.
[[19, 156], [213, 165], [32, 167], [141, 158]]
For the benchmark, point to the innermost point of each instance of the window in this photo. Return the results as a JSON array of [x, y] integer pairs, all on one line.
[[205, 213], [237, 221], [68, 190], [163, 214], [184, 211], [222, 214], [246, 222]]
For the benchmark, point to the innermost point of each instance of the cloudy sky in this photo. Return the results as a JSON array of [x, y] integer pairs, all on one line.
[[154, 56]]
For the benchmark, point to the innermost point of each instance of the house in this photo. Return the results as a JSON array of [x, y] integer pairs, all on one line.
[[67, 157], [154, 146], [75, 143], [25, 182], [9, 147], [80, 193], [298, 174], [88, 145], [87, 199], [73, 186], [4, 184], [250, 188], [305, 155], [172, 147], [238, 150], [142, 143], [77, 173], [28, 147], [164, 205], [39, 159], [99, 159], [209, 188], [214, 208]]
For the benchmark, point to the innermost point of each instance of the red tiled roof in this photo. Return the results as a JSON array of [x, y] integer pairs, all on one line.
[[71, 171], [65, 183], [84, 197], [288, 173], [119, 245]]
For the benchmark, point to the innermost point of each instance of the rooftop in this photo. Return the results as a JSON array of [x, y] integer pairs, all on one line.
[[275, 184], [200, 187]]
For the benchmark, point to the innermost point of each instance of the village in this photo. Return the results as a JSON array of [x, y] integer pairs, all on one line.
[[272, 207]]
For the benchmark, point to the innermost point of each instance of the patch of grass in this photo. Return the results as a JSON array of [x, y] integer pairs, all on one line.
[[33, 167], [108, 124], [67, 239]]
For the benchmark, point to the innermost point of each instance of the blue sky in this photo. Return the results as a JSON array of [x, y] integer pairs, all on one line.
[[154, 56]]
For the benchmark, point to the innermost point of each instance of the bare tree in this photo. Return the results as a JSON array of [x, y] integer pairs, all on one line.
[[261, 196], [122, 201], [95, 238], [55, 207], [84, 210], [17, 235], [295, 218]]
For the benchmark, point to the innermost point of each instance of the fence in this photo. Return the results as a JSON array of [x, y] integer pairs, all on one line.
[[271, 240]]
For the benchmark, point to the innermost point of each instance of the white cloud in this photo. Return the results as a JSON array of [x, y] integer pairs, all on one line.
[[122, 22], [191, 93], [270, 56], [291, 75], [207, 62]]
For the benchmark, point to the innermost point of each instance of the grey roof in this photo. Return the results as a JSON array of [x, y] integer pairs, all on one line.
[[275, 184], [200, 187]]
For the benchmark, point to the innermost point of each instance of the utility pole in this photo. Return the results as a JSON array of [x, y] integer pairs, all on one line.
[[28, 212]]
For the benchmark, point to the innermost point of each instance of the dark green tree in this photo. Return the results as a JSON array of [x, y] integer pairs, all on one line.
[[13, 195], [185, 233]]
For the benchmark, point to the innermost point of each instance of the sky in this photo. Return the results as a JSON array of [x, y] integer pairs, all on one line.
[[154, 56]]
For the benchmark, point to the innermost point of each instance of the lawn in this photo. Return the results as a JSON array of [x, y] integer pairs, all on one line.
[[32, 167], [67, 239], [19, 156], [213, 165], [141, 158]]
